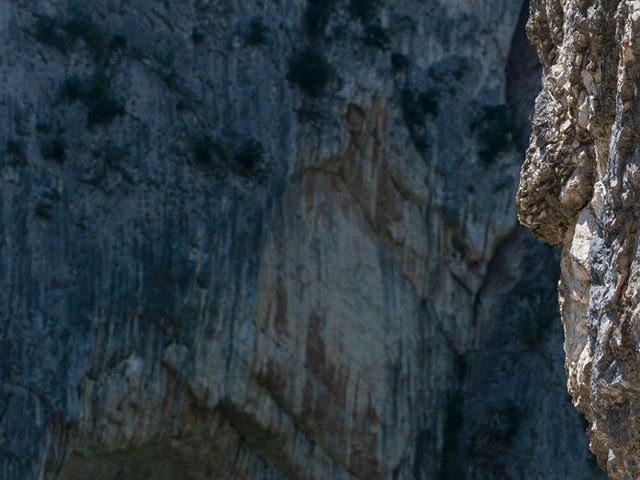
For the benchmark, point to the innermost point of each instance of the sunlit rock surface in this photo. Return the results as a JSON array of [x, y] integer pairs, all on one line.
[[578, 189]]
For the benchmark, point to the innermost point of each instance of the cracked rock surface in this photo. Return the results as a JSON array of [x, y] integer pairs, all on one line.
[[277, 240], [579, 190]]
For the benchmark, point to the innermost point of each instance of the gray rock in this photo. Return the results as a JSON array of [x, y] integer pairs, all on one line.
[[243, 240], [577, 190]]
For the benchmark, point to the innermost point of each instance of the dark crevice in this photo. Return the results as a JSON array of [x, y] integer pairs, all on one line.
[[523, 75]]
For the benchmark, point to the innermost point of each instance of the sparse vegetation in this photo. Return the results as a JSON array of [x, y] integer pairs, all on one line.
[[49, 31], [416, 106], [43, 210], [375, 36], [257, 32], [246, 158], [95, 93], [63, 35], [118, 42], [73, 88], [364, 10], [310, 71], [249, 155], [316, 16], [44, 207], [80, 26], [15, 149], [399, 62], [494, 131], [54, 149], [197, 36], [205, 150]]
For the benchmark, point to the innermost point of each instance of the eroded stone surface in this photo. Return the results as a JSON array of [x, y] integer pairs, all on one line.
[[578, 189], [207, 274]]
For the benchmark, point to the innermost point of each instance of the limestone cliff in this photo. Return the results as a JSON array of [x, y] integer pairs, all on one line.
[[277, 240], [579, 190]]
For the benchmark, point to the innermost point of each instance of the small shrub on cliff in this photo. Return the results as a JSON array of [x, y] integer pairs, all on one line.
[[197, 36], [316, 16], [16, 151], [95, 93], [205, 150], [54, 149], [364, 10], [399, 62], [118, 42], [375, 36], [257, 32], [310, 71], [82, 27], [416, 106], [49, 31], [249, 155], [494, 131]]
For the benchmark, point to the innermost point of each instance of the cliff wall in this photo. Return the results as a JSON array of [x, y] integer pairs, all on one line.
[[273, 239], [578, 189]]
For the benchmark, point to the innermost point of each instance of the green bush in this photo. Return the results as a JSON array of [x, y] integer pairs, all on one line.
[[249, 155], [310, 71], [494, 131], [205, 150], [429, 102], [399, 62], [73, 88], [375, 36], [257, 32], [416, 106], [44, 210], [95, 93], [118, 42], [63, 36], [103, 110], [54, 149], [316, 16], [17, 151], [81, 26], [44, 207], [49, 31], [197, 36], [364, 10]]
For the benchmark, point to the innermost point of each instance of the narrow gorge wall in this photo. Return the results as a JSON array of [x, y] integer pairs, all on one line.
[[272, 240], [579, 190]]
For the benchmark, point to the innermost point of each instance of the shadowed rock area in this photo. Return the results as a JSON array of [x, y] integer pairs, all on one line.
[[275, 240]]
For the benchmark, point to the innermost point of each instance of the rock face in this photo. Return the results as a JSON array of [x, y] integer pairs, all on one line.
[[269, 240], [579, 190]]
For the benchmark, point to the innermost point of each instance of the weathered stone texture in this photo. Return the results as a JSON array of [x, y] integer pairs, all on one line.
[[578, 189], [215, 266]]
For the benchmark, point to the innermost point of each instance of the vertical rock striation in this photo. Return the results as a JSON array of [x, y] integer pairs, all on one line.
[[269, 240], [578, 189]]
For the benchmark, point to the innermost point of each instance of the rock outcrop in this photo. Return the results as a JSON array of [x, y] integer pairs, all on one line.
[[269, 240], [579, 190]]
